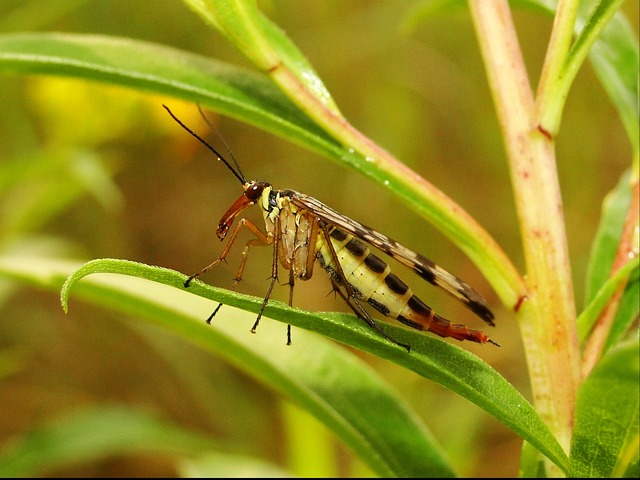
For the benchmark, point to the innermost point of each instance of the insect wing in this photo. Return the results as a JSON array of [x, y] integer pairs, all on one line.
[[424, 267]]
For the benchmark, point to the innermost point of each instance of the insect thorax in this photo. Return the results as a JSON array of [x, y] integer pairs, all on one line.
[[296, 232]]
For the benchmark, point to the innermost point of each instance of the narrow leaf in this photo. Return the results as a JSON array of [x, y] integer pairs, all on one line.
[[329, 382], [301, 371], [605, 440], [94, 434], [607, 239], [437, 360], [233, 91], [590, 314], [263, 42], [603, 252]]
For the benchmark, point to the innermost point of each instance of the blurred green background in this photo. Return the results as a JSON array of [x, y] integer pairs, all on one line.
[[90, 171]]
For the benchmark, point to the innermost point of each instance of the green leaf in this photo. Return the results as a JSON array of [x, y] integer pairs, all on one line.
[[614, 55], [615, 60], [532, 464], [94, 434], [449, 365], [627, 310], [599, 286], [324, 379], [329, 382], [233, 91], [39, 189], [263, 42], [590, 314], [633, 471], [605, 244], [605, 440]]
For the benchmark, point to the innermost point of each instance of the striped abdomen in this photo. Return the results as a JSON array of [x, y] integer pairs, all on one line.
[[372, 281]]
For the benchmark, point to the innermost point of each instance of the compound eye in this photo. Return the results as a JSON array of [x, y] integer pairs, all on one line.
[[254, 191]]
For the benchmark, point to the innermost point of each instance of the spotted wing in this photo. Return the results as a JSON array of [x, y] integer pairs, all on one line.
[[424, 267]]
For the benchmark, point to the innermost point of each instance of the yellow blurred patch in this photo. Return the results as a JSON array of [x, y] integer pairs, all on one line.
[[81, 113]]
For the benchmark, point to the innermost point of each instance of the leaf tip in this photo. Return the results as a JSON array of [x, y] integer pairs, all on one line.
[[64, 294]]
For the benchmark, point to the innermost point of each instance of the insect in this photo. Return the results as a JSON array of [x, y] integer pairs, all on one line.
[[303, 230]]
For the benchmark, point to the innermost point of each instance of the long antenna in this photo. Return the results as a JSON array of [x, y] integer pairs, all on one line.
[[238, 174], [226, 145]]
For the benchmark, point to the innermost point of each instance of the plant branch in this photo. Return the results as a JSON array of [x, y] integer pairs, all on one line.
[[557, 53], [548, 316], [564, 60]]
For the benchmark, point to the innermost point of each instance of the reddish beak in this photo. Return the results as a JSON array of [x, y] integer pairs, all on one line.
[[227, 219]]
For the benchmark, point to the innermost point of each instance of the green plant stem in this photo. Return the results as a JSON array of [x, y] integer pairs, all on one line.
[[547, 317]]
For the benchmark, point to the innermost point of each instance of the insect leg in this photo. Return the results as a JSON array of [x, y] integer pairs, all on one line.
[[362, 313], [276, 239], [210, 317], [350, 298], [262, 240], [311, 256], [291, 282]]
